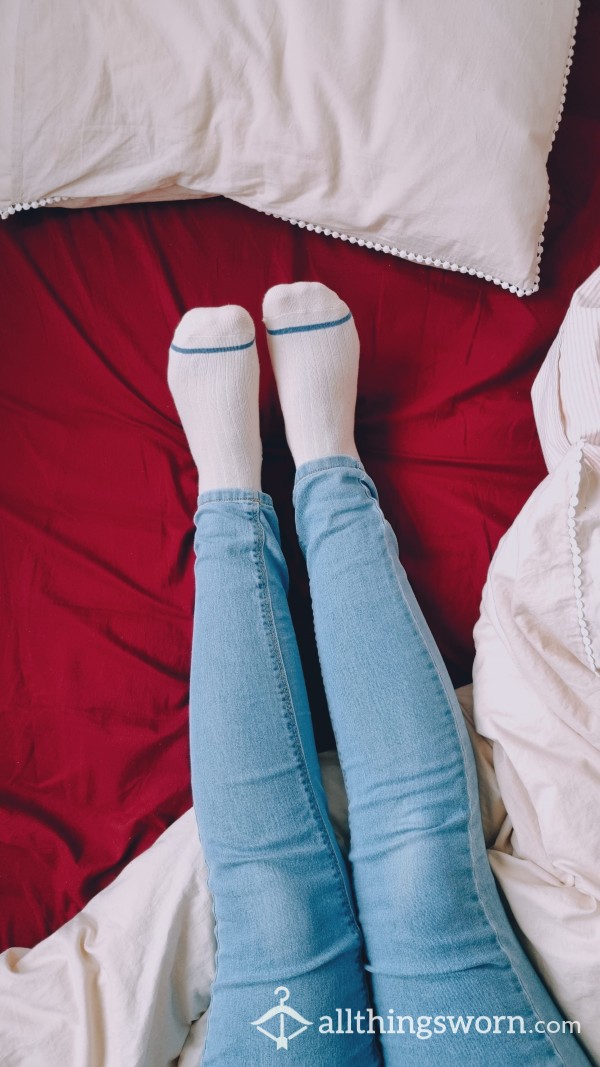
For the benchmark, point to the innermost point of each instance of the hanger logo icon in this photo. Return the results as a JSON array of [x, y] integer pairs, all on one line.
[[284, 1013]]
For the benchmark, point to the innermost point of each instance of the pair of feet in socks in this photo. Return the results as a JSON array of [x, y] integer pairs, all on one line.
[[213, 375]]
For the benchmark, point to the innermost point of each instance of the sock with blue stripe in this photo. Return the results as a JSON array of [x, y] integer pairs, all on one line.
[[213, 376], [314, 350]]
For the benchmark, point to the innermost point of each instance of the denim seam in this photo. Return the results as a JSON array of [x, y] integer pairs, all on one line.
[[330, 467], [290, 715], [470, 819], [213, 896], [333, 724], [235, 500], [217, 955], [342, 764]]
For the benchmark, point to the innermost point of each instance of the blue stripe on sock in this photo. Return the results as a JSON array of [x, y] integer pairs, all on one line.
[[229, 348], [313, 326]]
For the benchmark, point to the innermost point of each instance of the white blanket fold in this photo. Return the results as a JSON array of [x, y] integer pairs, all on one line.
[[537, 679]]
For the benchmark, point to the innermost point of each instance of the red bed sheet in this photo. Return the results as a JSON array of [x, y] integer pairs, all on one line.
[[98, 490]]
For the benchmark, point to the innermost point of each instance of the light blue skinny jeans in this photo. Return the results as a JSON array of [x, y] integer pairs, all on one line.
[[415, 926]]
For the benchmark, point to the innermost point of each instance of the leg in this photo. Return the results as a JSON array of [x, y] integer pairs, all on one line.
[[282, 897], [437, 938]]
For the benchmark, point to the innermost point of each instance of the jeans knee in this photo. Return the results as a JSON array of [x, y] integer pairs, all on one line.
[[419, 905], [299, 921]]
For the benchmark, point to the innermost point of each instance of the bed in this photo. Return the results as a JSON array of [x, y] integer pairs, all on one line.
[[98, 492]]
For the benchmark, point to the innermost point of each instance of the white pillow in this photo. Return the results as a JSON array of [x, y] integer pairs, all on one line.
[[417, 128]]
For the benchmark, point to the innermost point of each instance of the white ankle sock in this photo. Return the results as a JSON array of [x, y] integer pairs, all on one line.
[[314, 349], [213, 376]]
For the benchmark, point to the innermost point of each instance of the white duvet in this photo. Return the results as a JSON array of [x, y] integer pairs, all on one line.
[[537, 679], [126, 983]]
